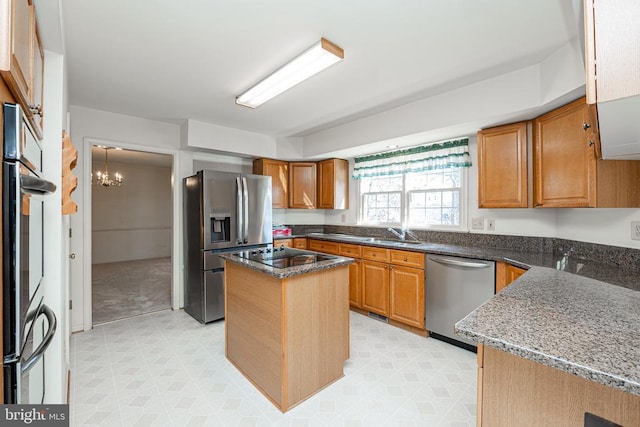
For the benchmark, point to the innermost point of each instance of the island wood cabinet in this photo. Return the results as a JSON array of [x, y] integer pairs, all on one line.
[[566, 171], [279, 173], [333, 184], [22, 58], [502, 167], [515, 391], [506, 273], [289, 336], [302, 185]]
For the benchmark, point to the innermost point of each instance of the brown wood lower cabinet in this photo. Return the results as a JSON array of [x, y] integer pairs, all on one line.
[[375, 287], [300, 243], [513, 391], [382, 281], [407, 295], [287, 243], [506, 273], [355, 286]]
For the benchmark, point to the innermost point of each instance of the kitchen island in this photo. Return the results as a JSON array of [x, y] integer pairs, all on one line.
[[287, 328], [556, 347]]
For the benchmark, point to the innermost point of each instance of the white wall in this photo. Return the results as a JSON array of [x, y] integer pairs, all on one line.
[[55, 260], [89, 126], [132, 221]]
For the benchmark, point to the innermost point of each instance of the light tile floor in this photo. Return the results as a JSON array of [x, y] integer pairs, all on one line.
[[166, 369]]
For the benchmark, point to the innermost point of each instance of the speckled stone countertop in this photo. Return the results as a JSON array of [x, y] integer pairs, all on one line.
[[607, 273], [289, 271], [575, 324]]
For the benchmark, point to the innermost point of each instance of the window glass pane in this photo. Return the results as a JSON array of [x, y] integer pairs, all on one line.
[[431, 198]]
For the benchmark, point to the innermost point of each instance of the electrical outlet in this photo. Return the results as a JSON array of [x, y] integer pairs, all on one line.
[[635, 230], [491, 224], [477, 223]]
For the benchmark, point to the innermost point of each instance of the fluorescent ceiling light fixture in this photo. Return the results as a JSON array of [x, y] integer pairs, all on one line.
[[315, 59]]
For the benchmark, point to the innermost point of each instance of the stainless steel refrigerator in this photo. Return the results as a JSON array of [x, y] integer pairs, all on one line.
[[223, 211]]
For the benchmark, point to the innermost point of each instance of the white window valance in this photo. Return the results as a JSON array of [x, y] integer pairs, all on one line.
[[442, 155]]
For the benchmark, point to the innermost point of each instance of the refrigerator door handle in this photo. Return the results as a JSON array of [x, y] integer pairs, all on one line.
[[245, 210], [46, 339], [239, 213]]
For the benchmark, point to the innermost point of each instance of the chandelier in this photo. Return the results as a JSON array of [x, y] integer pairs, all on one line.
[[103, 178]]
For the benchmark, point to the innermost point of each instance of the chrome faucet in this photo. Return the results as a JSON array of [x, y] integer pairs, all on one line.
[[402, 235]]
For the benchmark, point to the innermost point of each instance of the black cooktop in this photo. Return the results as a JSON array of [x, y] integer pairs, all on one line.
[[284, 257]]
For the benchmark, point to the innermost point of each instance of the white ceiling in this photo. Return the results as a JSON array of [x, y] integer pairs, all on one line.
[[174, 60], [139, 158]]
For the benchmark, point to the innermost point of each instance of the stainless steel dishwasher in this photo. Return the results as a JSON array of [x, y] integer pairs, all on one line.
[[454, 288]]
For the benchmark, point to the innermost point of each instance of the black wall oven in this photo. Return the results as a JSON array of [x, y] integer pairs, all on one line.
[[28, 324]]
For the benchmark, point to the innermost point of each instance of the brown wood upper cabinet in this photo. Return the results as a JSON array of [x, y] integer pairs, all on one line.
[[566, 171], [333, 184], [502, 167], [302, 185], [279, 173], [22, 58]]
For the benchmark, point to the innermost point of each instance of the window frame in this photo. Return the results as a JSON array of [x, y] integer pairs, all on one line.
[[404, 207]]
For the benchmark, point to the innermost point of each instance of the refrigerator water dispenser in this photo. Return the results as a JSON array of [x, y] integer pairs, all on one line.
[[220, 229]]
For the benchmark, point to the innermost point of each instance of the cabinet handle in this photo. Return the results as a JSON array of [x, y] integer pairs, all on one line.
[[405, 258], [36, 109], [591, 143], [386, 266], [585, 125]]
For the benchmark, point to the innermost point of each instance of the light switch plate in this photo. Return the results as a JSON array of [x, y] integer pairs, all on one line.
[[635, 230], [477, 223]]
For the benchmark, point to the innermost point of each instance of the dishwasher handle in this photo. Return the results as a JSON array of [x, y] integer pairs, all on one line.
[[459, 263]]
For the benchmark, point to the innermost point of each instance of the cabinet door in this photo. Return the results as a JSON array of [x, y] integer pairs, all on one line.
[[505, 274], [355, 288], [375, 287], [15, 47], [502, 167], [37, 79], [302, 185], [564, 162], [333, 184], [279, 173], [407, 295]]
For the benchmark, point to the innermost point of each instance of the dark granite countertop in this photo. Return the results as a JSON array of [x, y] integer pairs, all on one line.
[[289, 271], [615, 275], [572, 323]]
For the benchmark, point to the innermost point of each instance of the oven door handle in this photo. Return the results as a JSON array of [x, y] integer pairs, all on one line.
[[46, 340], [33, 185]]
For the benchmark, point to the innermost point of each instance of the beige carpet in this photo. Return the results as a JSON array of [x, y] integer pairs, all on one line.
[[131, 288]]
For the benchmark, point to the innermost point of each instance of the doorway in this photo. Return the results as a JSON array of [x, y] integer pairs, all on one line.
[[131, 233]]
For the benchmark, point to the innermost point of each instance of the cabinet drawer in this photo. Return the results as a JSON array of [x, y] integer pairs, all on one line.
[[375, 254], [352, 251], [409, 259], [300, 243], [322, 246], [287, 243]]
